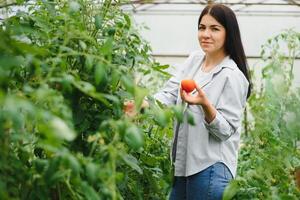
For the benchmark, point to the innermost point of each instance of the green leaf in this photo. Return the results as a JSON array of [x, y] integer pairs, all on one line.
[[89, 62], [90, 90], [89, 192], [57, 177], [131, 161], [107, 47], [128, 21], [134, 137], [178, 111], [84, 86], [40, 165], [59, 128], [190, 118], [100, 73], [161, 68], [91, 172], [115, 77], [20, 1], [139, 97], [149, 160], [42, 24], [73, 163], [98, 21], [231, 190], [128, 84], [111, 31], [82, 44], [9, 61], [161, 117]]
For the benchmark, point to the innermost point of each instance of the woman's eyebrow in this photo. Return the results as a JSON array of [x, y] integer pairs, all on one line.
[[213, 25]]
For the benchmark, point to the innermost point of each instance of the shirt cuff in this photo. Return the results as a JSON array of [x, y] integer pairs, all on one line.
[[219, 127]]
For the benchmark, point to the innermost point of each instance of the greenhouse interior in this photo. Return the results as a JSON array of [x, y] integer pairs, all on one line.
[[150, 99]]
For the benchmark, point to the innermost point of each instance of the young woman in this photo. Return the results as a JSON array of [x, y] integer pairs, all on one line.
[[205, 155]]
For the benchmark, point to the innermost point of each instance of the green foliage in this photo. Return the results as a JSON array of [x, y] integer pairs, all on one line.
[[66, 68], [269, 154]]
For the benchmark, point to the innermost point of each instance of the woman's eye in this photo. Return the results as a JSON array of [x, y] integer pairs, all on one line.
[[201, 28], [215, 29]]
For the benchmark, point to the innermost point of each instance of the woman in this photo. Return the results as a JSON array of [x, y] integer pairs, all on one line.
[[205, 155]]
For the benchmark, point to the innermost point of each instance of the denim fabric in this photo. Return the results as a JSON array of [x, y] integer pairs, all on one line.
[[208, 184]]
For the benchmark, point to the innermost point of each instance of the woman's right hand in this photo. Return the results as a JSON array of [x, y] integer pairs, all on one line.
[[129, 107]]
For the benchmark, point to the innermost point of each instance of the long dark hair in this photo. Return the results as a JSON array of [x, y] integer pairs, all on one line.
[[233, 43]]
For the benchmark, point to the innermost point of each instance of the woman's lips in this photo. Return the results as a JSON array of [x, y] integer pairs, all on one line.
[[206, 42]]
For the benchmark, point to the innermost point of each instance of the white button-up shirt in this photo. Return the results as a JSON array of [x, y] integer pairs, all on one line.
[[203, 144]]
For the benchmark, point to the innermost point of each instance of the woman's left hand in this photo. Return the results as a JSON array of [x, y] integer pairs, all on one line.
[[200, 98]]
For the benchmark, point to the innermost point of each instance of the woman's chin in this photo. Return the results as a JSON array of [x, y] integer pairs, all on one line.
[[206, 50]]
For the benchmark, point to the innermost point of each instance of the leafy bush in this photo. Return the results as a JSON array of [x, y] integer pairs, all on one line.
[[66, 68], [269, 155]]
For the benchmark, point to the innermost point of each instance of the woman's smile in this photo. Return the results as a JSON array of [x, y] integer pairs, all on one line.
[[206, 43]]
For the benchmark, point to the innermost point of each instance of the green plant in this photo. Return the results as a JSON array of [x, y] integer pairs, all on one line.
[[66, 68], [269, 155]]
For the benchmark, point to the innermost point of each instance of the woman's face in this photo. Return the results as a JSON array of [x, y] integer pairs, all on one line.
[[211, 35]]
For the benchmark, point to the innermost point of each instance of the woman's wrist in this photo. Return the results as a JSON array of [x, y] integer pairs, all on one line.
[[205, 102], [209, 111], [144, 105]]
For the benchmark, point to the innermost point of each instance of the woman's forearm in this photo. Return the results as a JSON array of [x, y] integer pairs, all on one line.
[[209, 111]]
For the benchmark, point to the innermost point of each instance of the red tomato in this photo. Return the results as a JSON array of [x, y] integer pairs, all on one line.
[[188, 85]]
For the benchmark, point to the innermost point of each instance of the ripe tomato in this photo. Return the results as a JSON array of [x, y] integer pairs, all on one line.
[[188, 85]]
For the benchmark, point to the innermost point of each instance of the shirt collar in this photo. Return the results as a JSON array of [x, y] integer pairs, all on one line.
[[227, 62]]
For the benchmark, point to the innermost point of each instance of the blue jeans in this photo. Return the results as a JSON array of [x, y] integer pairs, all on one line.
[[208, 184]]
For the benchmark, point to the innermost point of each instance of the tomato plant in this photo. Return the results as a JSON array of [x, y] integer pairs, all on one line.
[[66, 68], [269, 154]]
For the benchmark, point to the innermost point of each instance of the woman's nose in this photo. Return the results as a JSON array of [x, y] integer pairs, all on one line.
[[206, 33]]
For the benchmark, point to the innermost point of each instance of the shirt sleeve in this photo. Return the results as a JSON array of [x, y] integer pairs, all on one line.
[[169, 93], [230, 108]]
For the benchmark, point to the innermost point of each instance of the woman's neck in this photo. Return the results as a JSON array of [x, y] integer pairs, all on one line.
[[212, 60]]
